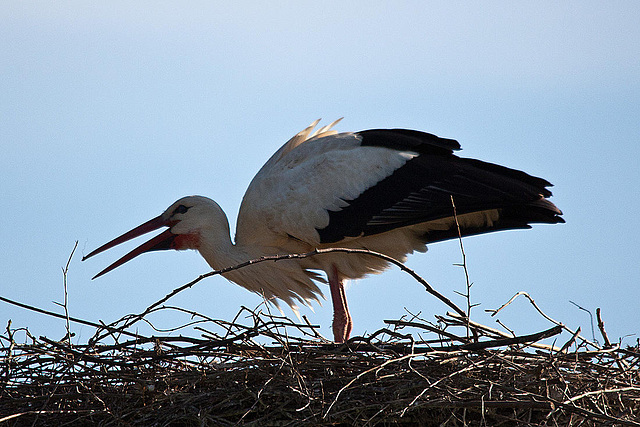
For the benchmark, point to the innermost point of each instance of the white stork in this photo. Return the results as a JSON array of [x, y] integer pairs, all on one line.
[[385, 190]]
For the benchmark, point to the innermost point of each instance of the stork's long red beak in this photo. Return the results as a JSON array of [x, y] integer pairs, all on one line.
[[162, 241]]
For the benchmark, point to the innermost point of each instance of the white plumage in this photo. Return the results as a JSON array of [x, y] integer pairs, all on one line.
[[388, 191]]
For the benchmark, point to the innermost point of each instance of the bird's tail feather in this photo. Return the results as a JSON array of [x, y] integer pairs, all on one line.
[[541, 211]]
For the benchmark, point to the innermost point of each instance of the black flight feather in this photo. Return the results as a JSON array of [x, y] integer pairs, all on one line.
[[421, 190]]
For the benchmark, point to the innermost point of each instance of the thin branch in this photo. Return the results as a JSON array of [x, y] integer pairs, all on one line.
[[566, 345], [275, 258], [429, 328], [360, 375], [464, 266], [607, 343], [599, 393], [62, 316], [497, 333], [543, 314], [65, 270], [524, 339], [593, 332]]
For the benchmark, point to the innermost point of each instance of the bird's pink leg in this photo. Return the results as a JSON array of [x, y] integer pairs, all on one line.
[[342, 322]]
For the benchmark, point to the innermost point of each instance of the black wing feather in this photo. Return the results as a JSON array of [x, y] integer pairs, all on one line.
[[408, 139], [421, 190]]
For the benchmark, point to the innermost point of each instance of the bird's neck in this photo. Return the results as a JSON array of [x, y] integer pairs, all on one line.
[[219, 251]]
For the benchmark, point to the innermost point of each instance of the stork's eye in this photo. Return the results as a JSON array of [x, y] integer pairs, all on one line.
[[180, 209]]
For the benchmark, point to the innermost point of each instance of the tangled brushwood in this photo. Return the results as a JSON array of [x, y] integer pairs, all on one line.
[[262, 369]]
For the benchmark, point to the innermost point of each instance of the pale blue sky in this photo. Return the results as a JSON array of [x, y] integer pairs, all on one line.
[[110, 111]]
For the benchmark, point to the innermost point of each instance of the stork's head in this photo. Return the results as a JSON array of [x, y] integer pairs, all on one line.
[[188, 220]]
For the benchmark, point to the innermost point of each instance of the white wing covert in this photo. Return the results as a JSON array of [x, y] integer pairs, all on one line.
[[292, 194]]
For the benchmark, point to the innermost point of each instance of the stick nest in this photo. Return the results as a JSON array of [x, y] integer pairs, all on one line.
[[261, 369]]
